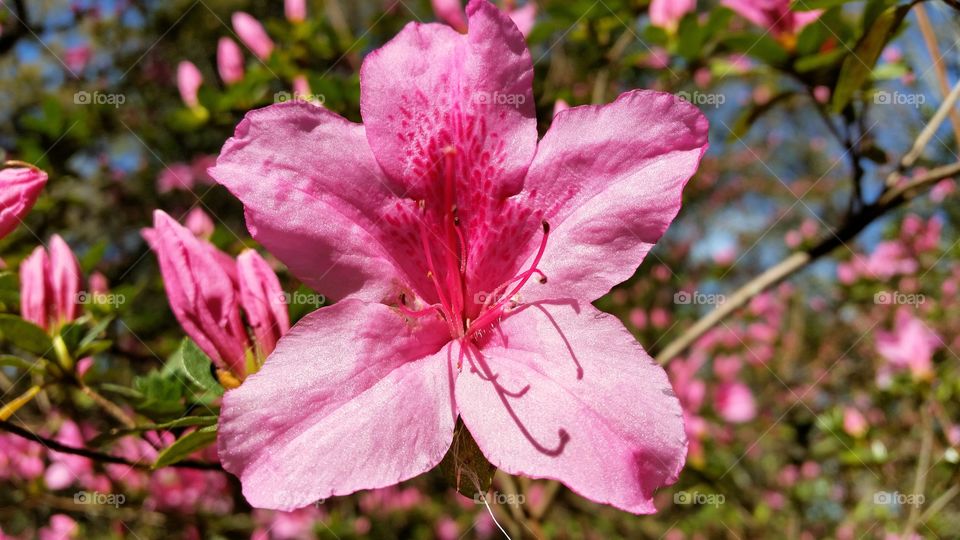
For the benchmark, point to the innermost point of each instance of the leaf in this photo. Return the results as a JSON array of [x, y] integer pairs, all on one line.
[[810, 5], [196, 366], [690, 37], [817, 61], [761, 47], [25, 335], [465, 467], [87, 341], [186, 445], [186, 421], [17, 362], [9, 289], [857, 66], [162, 395]]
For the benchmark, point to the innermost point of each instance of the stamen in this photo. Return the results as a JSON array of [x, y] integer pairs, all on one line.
[[433, 308], [496, 310]]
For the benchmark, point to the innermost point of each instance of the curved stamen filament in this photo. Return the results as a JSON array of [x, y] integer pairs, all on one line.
[[496, 310]]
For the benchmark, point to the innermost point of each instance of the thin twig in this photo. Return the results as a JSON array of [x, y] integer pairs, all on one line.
[[930, 39], [801, 259], [56, 446]]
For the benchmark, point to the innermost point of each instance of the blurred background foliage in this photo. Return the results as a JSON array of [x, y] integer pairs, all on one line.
[[805, 127]]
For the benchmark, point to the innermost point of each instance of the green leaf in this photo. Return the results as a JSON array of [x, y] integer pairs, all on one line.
[[465, 467], [690, 37], [17, 362], [858, 65], [186, 421], [761, 47], [162, 395], [810, 5], [25, 335], [87, 341], [196, 366], [9, 289], [817, 61], [186, 445]]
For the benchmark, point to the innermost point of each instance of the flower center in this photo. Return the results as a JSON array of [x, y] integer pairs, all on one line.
[[447, 272]]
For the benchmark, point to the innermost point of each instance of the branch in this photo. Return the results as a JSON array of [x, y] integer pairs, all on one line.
[[56, 446], [801, 259]]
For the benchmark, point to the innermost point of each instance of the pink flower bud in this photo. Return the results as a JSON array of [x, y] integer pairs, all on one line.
[[201, 292], [252, 34], [295, 10], [19, 189], [189, 80], [450, 12], [229, 60], [667, 13], [262, 300], [49, 285], [199, 223]]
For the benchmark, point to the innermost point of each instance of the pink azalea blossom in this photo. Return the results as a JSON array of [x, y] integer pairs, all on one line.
[[175, 176], [667, 13], [61, 527], [774, 15], [450, 12], [295, 10], [77, 57], [189, 80], [49, 284], [20, 188], [735, 402], [910, 345], [199, 223], [252, 34], [854, 423], [428, 224], [208, 293], [229, 60], [560, 106], [296, 525]]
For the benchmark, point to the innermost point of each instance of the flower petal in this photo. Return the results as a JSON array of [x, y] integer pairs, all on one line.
[[19, 189], [609, 180], [431, 87], [312, 193], [570, 395], [352, 398]]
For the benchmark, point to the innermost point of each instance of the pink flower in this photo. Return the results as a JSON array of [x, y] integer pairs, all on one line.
[[910, 345], [667, 13], [49, 283], [61, 527], [524, 17], [207, 291], [229, 60], [428, 223], [735, 403], [854, 422], [262, 300], [19, 189], [199, 223], [774, 15], [560, 106], [77, 57], [189, 80], [175, 176], [296, 525], [450, 12], [252, 34], [295, 10]]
